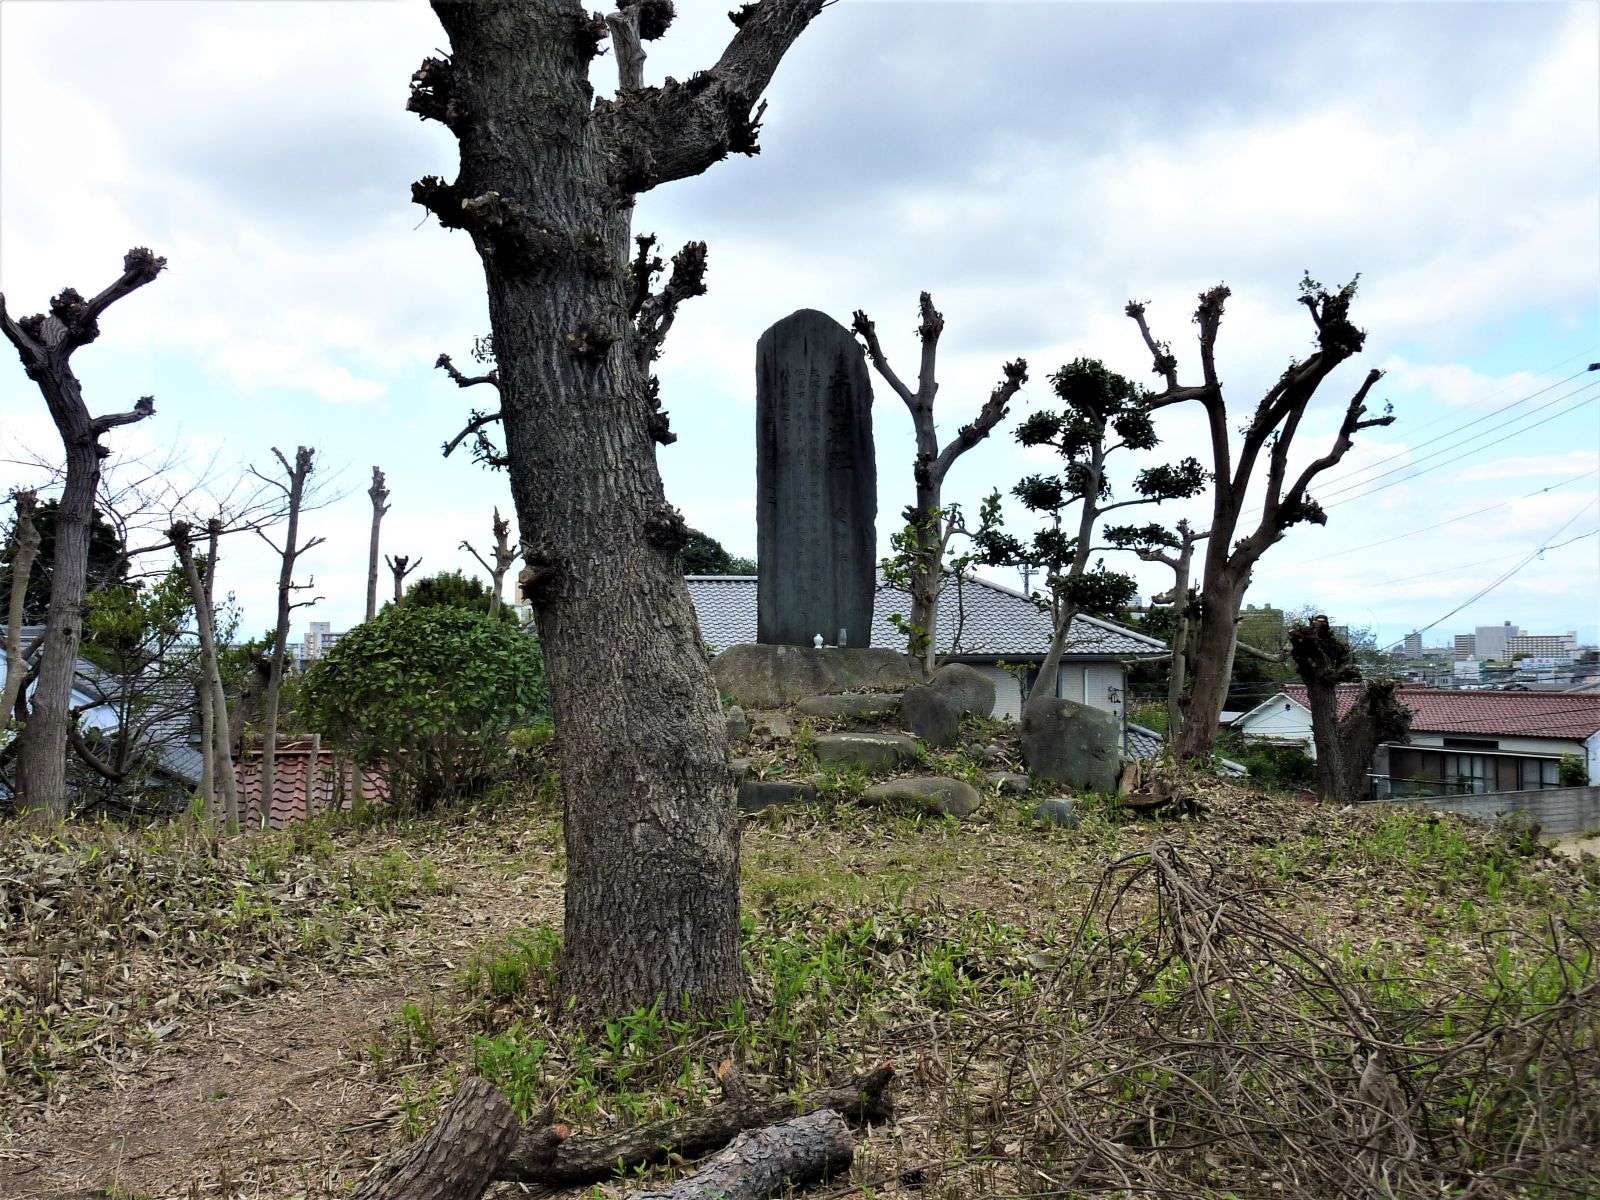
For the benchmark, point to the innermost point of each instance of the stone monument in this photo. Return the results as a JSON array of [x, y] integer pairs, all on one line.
[[816, 485]]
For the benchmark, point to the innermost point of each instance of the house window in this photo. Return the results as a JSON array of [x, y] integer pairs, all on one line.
[[1540, 773], [1469, 772]]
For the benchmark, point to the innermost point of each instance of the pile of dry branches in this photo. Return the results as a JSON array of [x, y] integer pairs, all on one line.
[[1197, 1044]]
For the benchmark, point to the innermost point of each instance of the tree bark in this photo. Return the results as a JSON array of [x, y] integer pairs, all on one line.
[[378, 494], [294, 489], [546, 189], [24, 549], [1216, 641], [765, 1162], [558, 1163], [46, 344], [458, 1158], [1377, 717], [222, 740]]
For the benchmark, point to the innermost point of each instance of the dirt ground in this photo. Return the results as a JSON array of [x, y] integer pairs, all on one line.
[[271, 1097]]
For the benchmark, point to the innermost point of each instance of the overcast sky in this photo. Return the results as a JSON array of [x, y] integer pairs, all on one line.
[[1033, 165]]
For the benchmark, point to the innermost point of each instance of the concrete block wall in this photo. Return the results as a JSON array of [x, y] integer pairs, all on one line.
[[1554, 810]]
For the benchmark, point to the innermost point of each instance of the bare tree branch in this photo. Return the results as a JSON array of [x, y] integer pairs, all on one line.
[[659, 134]]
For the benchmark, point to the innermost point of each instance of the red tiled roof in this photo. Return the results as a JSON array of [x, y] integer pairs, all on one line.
[[289, 793], [1512, 714]]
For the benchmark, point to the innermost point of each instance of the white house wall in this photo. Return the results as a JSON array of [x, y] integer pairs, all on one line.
[[1280, 720], [1101, 685], [1007, 691]]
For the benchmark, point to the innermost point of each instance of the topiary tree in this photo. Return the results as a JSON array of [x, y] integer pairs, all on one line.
[[427, 693], [451, 589]]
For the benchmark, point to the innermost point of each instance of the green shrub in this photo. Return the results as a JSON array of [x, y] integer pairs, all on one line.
[[1573, 771], [430, 694]]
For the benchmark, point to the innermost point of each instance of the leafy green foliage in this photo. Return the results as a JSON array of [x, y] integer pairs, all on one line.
[[452, 589], [431, 693], [1574, 772], [106, 564], [1101, 413], [704, 555]]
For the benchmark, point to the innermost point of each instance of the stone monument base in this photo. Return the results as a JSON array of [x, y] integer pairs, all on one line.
[[757, 676]]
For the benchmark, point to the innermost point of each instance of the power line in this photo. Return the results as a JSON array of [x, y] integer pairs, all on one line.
[[1477, 512], [1476, 437], [1479, 420], [1429, 470], [1470, 566], [1491, 587]]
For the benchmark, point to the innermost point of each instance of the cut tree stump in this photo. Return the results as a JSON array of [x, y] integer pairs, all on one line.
[[458, 1158], [763, 1162], [542, 1161]]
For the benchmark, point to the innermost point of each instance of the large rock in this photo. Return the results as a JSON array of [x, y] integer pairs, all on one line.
[[778, 676], [873, 751], [931, 793], [930, 714], [1072, 744], [816, 484], [757, 794], [933, 711], [738, 725], [969, 689], [851, 706]]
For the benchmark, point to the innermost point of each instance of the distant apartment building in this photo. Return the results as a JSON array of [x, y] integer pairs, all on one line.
[[320, 638], [1542, 645], [1413, 646], [1492, 641], [1466, 646]]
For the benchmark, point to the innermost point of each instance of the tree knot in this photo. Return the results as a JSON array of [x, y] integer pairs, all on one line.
[[666, 530], [433, 94], [591, 340]]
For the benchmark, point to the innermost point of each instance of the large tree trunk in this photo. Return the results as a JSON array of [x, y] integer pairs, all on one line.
[[1215, 644], [24, 549], [42, 754], [651, 831]]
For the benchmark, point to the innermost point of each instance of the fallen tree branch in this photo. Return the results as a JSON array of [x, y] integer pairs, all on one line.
[[763, 1162], [572, 1162], [455, 1160]]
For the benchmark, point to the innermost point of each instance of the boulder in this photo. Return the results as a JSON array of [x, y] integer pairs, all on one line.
[[775, 725], [740, 768], [851, 706], [738, 725], [1058, 811], [931, 793], [969, 689], [1008, 783], [1071, 743], [779, 676], [873, 751], [757, 794], [930, 714]]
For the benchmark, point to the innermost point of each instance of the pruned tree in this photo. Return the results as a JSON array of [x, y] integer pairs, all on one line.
[[379, 495], [546, 189], [202, 684], [24, 549], [400, 566], [1156, 544], [504, 556], [1234, 549], [46, 343], [182, 536], [1345, 745], [929, 526], [293, 485], [1101, 415]]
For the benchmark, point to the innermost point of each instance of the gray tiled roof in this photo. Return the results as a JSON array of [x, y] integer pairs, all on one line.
[[992, 621], [1144, 744]]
